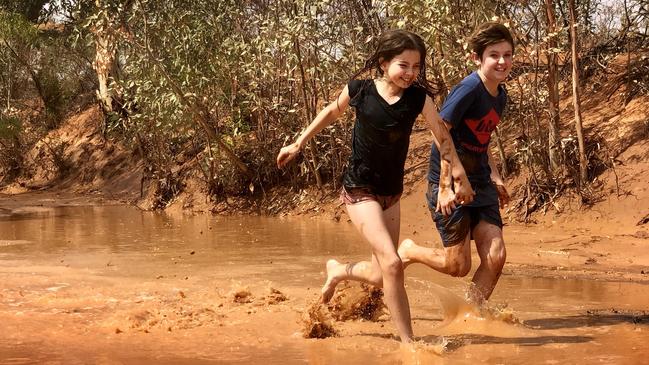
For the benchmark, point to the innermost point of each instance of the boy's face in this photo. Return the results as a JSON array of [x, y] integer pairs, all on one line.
[[496, 61]]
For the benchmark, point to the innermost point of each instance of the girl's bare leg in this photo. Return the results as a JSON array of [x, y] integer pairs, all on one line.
[[380, 229], [365, 271]]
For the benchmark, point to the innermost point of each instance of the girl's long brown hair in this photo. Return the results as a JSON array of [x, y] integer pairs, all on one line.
[[392, 43]]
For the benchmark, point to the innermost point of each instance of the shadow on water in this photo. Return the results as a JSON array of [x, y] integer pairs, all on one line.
[[590, 319], [24, 214], [440, 320], [455, 342]]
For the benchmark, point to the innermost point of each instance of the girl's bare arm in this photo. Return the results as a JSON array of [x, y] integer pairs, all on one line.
[[326, 116]]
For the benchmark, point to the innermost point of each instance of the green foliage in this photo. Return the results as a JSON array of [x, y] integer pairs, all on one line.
[[11, 154], [16, 30], [253, 74], [29, 9], [36, 57], [10, 127], [18, 44]]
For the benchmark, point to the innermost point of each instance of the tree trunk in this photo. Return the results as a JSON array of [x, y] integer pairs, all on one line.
[[553, 87], [32, 73], [103, 64], [9, 84], [313, 162], [103, 60], [438, 71], [501, 153], [629, 81], [583, 166]]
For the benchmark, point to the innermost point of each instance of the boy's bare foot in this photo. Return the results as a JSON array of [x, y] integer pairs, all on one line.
[[329, 287], [403, 250], [475, 296]]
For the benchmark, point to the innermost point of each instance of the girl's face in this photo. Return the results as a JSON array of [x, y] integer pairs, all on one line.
[[496, 62], [402, 70]]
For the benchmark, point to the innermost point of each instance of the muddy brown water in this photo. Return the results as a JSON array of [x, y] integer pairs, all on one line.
[[115, 285]]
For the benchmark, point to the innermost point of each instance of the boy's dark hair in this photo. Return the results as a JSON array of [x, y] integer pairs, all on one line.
[[487, 34], [392, 43]]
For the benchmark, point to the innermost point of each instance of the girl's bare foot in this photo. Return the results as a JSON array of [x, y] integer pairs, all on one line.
[[329, 287], [405, 246]]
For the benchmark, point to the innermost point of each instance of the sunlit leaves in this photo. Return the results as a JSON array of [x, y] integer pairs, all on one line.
[[15, 28], [263, 69]]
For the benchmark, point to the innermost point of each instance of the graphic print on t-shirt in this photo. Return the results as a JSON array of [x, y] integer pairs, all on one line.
[[482, 128]]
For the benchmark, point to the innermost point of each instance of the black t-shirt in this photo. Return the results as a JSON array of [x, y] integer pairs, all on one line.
[[381, 137]]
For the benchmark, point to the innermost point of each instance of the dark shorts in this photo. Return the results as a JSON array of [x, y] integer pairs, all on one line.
[[360, 195], [454, 228]]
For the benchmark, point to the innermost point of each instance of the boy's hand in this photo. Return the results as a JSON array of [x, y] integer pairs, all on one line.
[[445, 201], [287, 153], [464, 193], [503, 195]]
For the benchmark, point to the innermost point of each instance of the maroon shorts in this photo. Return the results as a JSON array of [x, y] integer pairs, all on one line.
[[359, 195]]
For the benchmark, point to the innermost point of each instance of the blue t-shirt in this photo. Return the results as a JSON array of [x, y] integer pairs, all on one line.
[[473, 113]]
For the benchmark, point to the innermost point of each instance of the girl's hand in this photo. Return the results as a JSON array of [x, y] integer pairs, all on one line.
[[503, 195], [464, 193], [445, 201], [287, 153]]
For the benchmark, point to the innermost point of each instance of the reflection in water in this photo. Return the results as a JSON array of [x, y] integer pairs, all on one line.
[[121, 229], [78, 283]]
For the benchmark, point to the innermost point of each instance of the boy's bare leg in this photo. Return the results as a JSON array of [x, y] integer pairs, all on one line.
[[454, 260], [365, 271], [381, 229], [491, 249]]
